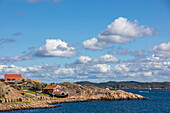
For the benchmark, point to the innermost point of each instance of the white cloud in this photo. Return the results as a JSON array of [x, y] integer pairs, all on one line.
[[108, 59], [63, 71], [95, 44], [138, 71], [162, 50], [122, 30], [56, 48], [84, 59], [103, 68], [52, 48], [91, 61]]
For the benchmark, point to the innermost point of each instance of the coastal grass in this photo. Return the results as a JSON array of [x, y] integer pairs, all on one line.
[[32, 92], [18, 102], [44, 94], [24, 88]]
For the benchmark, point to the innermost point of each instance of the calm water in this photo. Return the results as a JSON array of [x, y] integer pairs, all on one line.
[[159, 103]]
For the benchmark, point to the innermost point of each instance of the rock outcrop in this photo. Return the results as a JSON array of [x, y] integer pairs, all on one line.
[[9, 94], [96, 93], [23, 106], [32, 84]]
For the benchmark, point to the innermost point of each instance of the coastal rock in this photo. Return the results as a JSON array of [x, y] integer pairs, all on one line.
[[22, 106], [96, 93], [9, 94]]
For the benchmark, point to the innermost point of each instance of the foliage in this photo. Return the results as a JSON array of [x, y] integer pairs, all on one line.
[[50, 91], [128, 85], [32, 92], [24, 88], [2, 80]]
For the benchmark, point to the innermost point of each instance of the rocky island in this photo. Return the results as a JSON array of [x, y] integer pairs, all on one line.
[[12, 99]]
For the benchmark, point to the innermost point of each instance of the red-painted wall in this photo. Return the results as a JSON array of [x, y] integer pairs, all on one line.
[[12, 76]]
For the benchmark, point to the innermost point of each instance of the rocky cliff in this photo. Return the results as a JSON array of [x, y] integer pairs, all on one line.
[[9, 94], [92, 92]]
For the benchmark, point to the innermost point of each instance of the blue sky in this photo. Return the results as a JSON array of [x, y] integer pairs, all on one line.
[[94, 40]]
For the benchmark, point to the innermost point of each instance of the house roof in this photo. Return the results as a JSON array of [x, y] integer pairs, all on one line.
[[50, 86], [12, 76]]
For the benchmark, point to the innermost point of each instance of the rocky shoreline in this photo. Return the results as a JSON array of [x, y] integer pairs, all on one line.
[[50, 103], [24, 106], [11, 98]]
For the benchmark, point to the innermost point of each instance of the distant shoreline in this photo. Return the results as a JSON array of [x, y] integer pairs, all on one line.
[[127, 84]]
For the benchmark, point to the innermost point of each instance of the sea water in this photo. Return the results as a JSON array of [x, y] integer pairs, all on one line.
[[159, 102]]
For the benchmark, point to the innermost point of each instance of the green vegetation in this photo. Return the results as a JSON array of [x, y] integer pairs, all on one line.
[[17, 102], [31, 96], [32, 92], [2, 80], [24, 88], [128, 85], [44, 94], [50, 91]]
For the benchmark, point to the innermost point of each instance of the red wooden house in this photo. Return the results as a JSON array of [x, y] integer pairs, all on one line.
[[12, 77], [54, 88]]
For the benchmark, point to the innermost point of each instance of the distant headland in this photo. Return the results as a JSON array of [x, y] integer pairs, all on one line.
[[127, 84]]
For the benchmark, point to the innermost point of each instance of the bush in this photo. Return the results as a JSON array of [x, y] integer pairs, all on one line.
[[2, 80], [50, 92]]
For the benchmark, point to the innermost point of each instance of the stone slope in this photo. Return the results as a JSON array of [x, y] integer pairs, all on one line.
[[92, 92], [9, 94]]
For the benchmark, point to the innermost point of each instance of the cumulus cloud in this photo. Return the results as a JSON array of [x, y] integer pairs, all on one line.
[[146, 71], [52, 48], [95, 44], [108, 59], [149, 69], [56, 48], [122, 30], [86, 60], [162, 50]]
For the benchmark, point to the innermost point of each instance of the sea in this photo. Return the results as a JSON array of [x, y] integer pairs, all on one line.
[[159, 102]]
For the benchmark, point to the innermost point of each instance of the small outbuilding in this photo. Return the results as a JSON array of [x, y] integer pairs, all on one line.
[[12, 77]]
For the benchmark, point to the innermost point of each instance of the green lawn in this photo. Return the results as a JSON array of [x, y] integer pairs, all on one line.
[[32, 92], [24, 88], [44, 94]]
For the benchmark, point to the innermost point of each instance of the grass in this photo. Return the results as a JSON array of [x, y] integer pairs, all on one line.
[[44, 94], [17, 102], [31, 96], [24, 88], [32, 92]]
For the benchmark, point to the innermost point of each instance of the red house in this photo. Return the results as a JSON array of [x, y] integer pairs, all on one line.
[[12, 77], [54, 88]]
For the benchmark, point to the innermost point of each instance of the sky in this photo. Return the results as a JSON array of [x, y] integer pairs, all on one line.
[[86, 40]]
